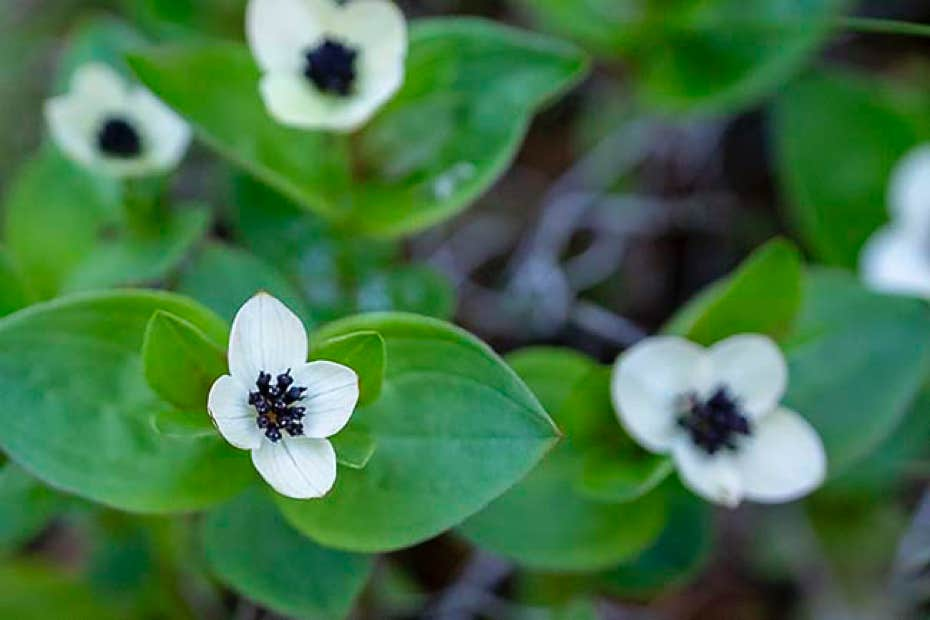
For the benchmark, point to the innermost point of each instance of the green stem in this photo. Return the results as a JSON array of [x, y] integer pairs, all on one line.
[[884, 26], [144, 206]]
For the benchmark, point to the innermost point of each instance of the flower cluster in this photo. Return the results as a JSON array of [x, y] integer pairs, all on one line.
[[326, 65], [309, 401], [717, 412], [108, 125]]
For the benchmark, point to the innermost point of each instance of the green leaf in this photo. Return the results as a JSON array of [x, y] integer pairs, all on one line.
[[363, 352], [857, 360], [54, 214], [14, 292], [31, 591], [180, 361], [709, 56], [75, 366], [544, 522], [26, 507], [605, 477], [838, 137], [762, 296], [134, 259], [454, 428], [471, 88], [252, 549], [354, 448], [677, 555], [223, 277]]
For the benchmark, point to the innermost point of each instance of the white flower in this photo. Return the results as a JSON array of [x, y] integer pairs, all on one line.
[[896, 259], [327, 66], [107, 125], [717, 412], [278, 405]]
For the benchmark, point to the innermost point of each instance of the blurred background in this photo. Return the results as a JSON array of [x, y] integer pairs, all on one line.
[[656, 176]]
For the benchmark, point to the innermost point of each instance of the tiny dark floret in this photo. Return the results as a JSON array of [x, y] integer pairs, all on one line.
[[716, 423], [331, 67], [118, 138], [276, 405]]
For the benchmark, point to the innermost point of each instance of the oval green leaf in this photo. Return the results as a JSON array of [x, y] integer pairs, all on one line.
[[78, 410], [544, 522], [762, 296], [838, 137], [857, 361], [250, 547]]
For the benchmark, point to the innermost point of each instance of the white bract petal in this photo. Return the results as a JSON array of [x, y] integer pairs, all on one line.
[[277, 404], [279, 32], [298, 467], [332, 393], [649, 383], [782, 460], [909, 192], [752, 368], [714, 477], [110, 127], [266, 337], [894, 261], [228, 404], [327, 66], [165, 133]]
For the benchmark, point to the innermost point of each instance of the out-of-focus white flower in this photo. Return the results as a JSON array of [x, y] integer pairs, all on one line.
[[112, 127], [717, 412], [276, 404], [327, 66], [896, 259]]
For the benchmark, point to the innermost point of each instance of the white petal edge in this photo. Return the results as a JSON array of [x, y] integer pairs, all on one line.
[[280, 31], [783, 460], [229, 407], [753, 369], [100, 86], [166, 136], [909, 190], [332, 393], [291, 100], [894, 261], [266, 337], [715, 478], [377, 27], [648, 382], [72, 126], [297, 467]]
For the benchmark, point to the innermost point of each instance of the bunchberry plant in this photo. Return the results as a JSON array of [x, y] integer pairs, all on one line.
[[327, 65], [113, 127], [717, 412], [277, 404]]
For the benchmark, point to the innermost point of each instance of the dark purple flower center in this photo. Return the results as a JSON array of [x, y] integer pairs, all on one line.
[[275, 406], [331, 67], [715, 423], [118, 138]]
